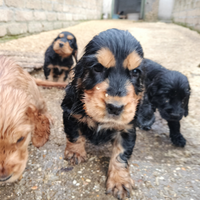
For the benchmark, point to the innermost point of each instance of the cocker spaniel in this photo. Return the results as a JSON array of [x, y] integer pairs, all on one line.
[[23, 117], [101, 101], [59, 57], [169, 92]]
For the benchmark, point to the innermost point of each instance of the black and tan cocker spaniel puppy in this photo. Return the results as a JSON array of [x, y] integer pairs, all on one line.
[[101, 102], [169, 92], [59, 57]]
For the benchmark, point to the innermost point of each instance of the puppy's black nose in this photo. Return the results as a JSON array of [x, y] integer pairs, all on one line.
[[4, 178], [146, 128], [61, 45], [114, 109], [174, 116]]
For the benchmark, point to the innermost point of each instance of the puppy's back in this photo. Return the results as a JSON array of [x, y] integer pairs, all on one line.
[[12, 75]]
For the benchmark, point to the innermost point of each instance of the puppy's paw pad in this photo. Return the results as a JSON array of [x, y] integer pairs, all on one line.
[[119, 187], [75, 158], [178, 141]]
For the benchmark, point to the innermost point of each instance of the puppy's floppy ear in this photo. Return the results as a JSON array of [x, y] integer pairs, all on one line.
[[41, 126], [151, 89]]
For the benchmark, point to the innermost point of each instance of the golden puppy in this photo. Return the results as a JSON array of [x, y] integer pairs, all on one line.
[[23, 117]]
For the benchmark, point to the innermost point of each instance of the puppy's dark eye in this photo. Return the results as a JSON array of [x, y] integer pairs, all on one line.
[[135, 72], [98, 68], [20, 139]]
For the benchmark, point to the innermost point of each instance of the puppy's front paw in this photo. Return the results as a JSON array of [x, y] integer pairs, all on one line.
[[119, 183], [178, 140], [75, 158], [75, 151]]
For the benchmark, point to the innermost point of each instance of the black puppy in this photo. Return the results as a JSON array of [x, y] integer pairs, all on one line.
[[101, 102], [59, 57], [169, 92]]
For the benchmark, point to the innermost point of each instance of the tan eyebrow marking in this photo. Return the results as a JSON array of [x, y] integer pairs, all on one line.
[[106, 58], [132, 61], [70, 37], [61, 35]]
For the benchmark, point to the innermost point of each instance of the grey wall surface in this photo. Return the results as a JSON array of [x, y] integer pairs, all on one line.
[[165, 10], [151, 10], [33, 16], [187, 13]]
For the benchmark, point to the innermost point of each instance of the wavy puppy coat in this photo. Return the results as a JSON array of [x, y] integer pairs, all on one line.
[[169, 91], [59, 57], [101, 101], [23, 117]]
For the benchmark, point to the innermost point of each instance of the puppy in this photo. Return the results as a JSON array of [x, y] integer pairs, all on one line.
[[101, 102], [59, 57], [23, 117], [169, 92]]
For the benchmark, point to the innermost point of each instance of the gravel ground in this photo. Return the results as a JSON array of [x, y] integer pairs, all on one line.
[[160, 170]]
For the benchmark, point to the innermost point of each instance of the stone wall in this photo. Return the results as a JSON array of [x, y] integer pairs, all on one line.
[[187, 12], [151, 10], [32, 16]]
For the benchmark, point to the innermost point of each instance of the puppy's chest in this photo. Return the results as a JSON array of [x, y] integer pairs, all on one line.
[[100, 132], [64, 62]]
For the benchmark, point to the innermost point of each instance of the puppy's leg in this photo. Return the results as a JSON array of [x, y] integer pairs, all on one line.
[[75, 147], [75, 151], [62, 77], [175, 135], [50, 77], [119, 182], [67, 77]]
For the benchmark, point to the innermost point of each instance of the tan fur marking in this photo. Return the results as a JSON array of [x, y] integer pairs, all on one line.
[[132, 61], [50, 66], [106, 57], [95, 105], [70, 37], [61, 77], [64, 68], [118, 172], [50, 77], [87, 120], [61, 35], [75, 152], [65, 51]]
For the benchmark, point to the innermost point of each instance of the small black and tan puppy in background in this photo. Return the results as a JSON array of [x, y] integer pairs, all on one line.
[[101, 101], [169, 92], [59, 57]]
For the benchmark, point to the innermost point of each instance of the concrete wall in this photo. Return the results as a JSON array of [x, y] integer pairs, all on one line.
[[165, 10], [33, 16], [107, 8], [187, 12], [151, 10]]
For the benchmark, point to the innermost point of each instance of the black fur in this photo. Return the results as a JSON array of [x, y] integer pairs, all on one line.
[[53, 58], [88, 73], [169, 92]]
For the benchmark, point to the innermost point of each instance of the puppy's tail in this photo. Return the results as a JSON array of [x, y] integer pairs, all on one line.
[[44, 83]]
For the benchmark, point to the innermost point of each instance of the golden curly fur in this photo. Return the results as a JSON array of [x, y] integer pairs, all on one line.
[[23, 117]]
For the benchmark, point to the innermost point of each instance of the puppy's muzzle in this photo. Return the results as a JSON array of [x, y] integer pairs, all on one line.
[[114, 109], [4, 178]]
